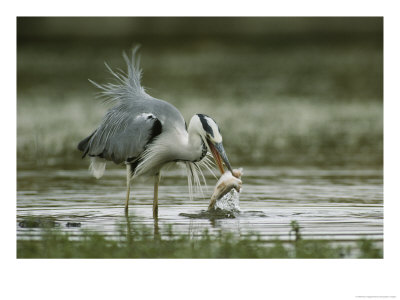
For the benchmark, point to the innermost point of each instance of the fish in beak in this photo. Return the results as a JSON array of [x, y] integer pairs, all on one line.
[[218, 152]]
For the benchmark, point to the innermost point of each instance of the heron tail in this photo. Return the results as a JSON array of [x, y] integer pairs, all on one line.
[[97, 166]]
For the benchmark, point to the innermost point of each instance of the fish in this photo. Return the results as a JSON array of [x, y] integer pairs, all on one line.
[[226, 191]]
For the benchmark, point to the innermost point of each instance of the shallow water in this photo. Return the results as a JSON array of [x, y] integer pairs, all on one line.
[[334, 204]]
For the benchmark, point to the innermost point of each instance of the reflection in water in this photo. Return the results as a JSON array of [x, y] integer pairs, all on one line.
[[339, 205], [156, 229], [129, 227], [211, 215]]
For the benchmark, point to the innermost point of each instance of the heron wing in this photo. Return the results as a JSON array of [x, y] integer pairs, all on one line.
[[135, 119], [122, 136]]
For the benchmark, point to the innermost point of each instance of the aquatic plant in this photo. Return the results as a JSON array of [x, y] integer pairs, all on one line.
[[143, 242]]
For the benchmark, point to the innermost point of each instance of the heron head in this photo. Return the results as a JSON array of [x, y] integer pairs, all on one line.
[[208, 129]]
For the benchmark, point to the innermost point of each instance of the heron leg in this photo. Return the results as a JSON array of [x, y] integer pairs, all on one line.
[[128, 186], [155, 201]]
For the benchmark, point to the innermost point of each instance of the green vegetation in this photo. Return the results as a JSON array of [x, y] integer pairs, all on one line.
[[288, 132], [142, 243]]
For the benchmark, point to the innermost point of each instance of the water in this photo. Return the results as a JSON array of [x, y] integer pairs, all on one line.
[[229, 201], [334, 204]]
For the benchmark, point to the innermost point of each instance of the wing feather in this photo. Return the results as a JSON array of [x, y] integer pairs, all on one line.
[[122, 136]]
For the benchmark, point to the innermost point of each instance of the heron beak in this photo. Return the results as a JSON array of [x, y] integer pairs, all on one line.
[[218, 152]]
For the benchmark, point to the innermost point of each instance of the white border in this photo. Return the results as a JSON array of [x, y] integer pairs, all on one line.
[[200, 279]]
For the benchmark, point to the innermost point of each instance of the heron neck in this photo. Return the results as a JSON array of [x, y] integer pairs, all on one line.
[[193, 149], [191, 146]]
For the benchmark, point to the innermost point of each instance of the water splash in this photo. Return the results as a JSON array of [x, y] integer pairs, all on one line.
[[228, 202]]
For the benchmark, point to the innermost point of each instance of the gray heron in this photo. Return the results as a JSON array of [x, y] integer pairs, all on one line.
[[146, 133]]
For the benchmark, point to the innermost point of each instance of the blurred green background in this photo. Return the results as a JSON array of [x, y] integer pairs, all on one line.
[[285, 91]]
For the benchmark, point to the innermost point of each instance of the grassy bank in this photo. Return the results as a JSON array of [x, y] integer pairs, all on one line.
[[143, 244], [284, 132]]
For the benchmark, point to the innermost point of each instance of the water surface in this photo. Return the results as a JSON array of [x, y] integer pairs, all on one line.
[[339, 205]]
